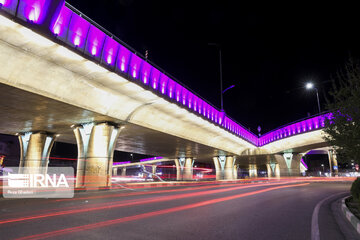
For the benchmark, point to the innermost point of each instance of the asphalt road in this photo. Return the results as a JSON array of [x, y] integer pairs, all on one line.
[[277, 210]]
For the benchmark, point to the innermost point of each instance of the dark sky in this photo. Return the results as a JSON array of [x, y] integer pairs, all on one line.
[[269, 52]]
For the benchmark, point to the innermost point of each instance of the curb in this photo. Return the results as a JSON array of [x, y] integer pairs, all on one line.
[[352, 219]]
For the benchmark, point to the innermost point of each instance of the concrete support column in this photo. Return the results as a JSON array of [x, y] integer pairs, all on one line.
[[225, 167], [230, 169], [333, 162], [273, 170], [253, 171], [153, 169], [179, 168], [35, 151], [269, 172], [123, 172], [289, 164], [184, 168], [95, 144], [114, 171], [188, 169], [277, 170], [219, 163]]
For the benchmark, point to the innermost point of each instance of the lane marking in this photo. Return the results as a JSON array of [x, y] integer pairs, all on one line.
[[315, 231], [150, 214]]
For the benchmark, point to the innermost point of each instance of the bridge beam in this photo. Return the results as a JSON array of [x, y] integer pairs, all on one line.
[[95, 144], [35, 150]]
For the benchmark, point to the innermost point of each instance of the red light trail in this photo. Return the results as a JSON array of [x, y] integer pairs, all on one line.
[[102, 206], [151, 214]]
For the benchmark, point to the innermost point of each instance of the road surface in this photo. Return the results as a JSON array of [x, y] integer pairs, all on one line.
[[260, 210]]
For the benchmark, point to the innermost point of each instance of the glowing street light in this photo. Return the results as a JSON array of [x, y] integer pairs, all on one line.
[[228, 88], [310, 85]]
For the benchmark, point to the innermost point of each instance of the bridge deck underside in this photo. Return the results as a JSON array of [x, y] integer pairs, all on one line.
[[22, 111]]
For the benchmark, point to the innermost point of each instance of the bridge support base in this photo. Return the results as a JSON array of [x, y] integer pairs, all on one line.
[[35, 151], [95, 144]]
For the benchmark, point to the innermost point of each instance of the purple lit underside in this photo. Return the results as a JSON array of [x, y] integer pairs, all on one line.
[[86, 38]]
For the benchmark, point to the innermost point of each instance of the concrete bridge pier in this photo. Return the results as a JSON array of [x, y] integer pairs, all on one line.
[[35, 148], [253, 171], [333, 162], [114, 171], [153, 169], [219, 162], [273, 170], [95, 142], [184, 168], [289, 164], [230, 169], [225, 167], [123, 172]]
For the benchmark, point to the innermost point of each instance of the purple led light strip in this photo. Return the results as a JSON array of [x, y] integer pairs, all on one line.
[[120, 163], [150, 159]]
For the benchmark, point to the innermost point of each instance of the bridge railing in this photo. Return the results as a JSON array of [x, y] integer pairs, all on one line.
[[304, 125], [70, 27]]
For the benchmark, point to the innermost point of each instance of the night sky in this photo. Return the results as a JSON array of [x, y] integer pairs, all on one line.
[[269, 52]]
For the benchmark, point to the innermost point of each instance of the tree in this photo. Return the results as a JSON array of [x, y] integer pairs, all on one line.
[[343, 125]]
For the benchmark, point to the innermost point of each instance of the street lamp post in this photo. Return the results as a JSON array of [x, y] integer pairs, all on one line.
[[311, 86], [221, 81], [323, 168]]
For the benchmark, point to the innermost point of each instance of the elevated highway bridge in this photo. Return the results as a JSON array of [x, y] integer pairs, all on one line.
[[65, 78]]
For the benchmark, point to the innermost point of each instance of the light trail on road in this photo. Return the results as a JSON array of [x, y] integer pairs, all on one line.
[[102, 206], [151, 214]]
